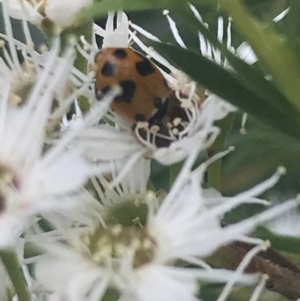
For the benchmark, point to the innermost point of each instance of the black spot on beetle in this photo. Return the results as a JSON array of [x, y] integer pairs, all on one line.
[[128, 89], [108, 69], [140, 117], [120, 53], [157, 102], [144, 67]]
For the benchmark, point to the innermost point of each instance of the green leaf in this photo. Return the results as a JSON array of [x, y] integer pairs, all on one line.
[[253, 78], [273, 51], [10, 261], [99, 9], [229, 86], [214, 169], [282, 243]]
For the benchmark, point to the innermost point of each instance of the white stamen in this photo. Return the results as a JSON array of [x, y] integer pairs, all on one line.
[[239, 271], [240, 198], [214, 158], [216, 275], [145, 33], [249, 240], [258, 290], [229, 34], [126, 168], [281, 15], [196, 13], [243, 130], [220, 29], [175, 32]]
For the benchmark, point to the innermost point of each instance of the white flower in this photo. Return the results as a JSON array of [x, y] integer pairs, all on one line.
[[139, 259], [61, 12], [34, 179], [114, 37]]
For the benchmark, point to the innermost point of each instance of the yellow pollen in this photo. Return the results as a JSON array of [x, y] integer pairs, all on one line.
[[117, 89], [243, 131], [72, 40], [154, 129], [281, 170], [266, 245], [142, 124], [177, 121], [30, 44], [175, 131], [98, 256], [15, 99], [43, 48], [136, 221], [135, 243], [116, 230], [105, 250], [104, 240], [119, 249], [146, 244], [187, 105]]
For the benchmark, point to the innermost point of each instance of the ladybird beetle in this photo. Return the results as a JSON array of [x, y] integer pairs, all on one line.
[[145, 92]]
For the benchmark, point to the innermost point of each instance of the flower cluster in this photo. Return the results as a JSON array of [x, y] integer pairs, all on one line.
[[77, 204], [42, 11]]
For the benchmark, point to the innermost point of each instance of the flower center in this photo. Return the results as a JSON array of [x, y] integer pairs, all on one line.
[[131, 243]]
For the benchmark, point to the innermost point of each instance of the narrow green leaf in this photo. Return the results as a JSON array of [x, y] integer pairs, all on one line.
[[100, 8], [272, 49], [227, 85], [214, 169], [10, 261], [282, 243], [252, 78]]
